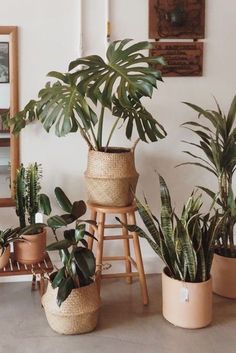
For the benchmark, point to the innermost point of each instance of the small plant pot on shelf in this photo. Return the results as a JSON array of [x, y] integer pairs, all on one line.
[[223, 274], [77, 314], [185, 304], [111, 177], [4, 258], [32, 249]]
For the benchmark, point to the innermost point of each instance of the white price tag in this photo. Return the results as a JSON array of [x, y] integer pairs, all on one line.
[[38, 218], [184, 295]]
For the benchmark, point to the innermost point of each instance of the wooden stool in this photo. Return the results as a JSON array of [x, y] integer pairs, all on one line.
[[127, 216]]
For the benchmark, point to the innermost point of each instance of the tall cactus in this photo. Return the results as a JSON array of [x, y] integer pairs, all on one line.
[[32, 186], [20, 195]]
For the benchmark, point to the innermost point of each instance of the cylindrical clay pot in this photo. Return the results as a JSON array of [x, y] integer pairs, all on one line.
[[223, 273], [111, 176], [187, 305], [4, 258], [77, 314], [32, 250]]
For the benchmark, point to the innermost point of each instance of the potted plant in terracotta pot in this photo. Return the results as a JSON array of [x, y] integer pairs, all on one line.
[[217, 142], [7, 237], [72, 301], [30, 247], [94, 90], [186, 246]]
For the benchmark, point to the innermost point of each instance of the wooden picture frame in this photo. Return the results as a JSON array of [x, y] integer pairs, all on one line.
[[12, 33]]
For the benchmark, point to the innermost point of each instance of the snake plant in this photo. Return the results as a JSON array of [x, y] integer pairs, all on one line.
[[29, 200], [78, 261], [185, 243], [94, 88], [217, 144]]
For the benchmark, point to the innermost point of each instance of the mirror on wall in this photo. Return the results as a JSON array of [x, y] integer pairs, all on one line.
[[9, 144]]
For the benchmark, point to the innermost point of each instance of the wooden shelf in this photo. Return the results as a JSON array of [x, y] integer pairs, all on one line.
[[5, 142]]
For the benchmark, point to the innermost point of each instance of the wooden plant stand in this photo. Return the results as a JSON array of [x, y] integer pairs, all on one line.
[[127, 216], [37, 271]]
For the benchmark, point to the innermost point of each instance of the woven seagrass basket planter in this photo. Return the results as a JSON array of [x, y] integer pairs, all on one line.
[[77, 314], [111, 177]]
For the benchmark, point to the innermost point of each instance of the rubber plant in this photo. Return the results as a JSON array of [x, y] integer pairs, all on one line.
[[29, 200], [185, 243], [78, 261], [94, 88], [217, 147]]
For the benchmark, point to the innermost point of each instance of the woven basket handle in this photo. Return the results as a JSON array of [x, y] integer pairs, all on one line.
[[134, 146]]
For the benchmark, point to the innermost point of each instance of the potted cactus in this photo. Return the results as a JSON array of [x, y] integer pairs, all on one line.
[[186, 246], [72, 301], [30, 247], [218, 146], [91, 91]]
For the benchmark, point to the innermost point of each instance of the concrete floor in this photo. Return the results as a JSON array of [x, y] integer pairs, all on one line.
[[125, 325]]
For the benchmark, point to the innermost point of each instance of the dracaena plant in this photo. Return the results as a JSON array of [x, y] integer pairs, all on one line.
[[217, 147], [78, 261], [94, 88], [185, 243], [8, 236], [29, 200]]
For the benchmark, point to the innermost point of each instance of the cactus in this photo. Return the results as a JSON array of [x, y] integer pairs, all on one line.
[[28, 199]]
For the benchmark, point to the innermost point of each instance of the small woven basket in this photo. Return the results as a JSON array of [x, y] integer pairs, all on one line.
[[111, 177], [77, 314]]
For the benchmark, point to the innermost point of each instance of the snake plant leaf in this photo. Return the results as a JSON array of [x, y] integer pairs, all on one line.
[[60, 276], [147, 219], [64, 289], [231, 115], [63, 200], [44, 204], [188, 250], [147, 127], [85, 261], [126, 73]]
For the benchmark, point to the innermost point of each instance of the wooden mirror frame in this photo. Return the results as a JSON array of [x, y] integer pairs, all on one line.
[[14, 105]]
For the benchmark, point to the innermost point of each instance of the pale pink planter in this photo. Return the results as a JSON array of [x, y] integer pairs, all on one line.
[[185, 304], [4, 258], [223, 274]]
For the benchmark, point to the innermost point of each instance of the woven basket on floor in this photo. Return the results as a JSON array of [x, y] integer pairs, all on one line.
[[110, 177], [77, 314]]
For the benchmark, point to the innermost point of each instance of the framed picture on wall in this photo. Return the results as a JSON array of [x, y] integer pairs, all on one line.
[[4, 62]]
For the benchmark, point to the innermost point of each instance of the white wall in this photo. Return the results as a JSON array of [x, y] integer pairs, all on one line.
[[49, 39]]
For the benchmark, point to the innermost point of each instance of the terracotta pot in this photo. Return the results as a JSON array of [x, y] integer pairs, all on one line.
[[4, 258], [187, 305], [110, 177], [223, 273], [77, 314], [32, 250]]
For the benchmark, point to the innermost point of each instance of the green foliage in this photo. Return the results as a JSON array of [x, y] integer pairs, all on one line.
[[78, 261], [185, 244], [8, 236], [28, 199], [217, 142], [116, 85]]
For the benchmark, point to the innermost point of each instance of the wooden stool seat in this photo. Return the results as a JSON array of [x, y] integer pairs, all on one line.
[[127, 216]]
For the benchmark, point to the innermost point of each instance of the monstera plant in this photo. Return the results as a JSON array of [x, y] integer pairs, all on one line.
[[116, 85], [94, 89]]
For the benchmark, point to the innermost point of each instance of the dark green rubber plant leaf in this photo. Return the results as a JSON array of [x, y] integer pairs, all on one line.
[[64, 290], [85, 261], [63, 200]]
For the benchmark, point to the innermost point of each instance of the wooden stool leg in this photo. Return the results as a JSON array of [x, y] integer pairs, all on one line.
[[125, 233], [99, 253], [139, 261], [93, 217]]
